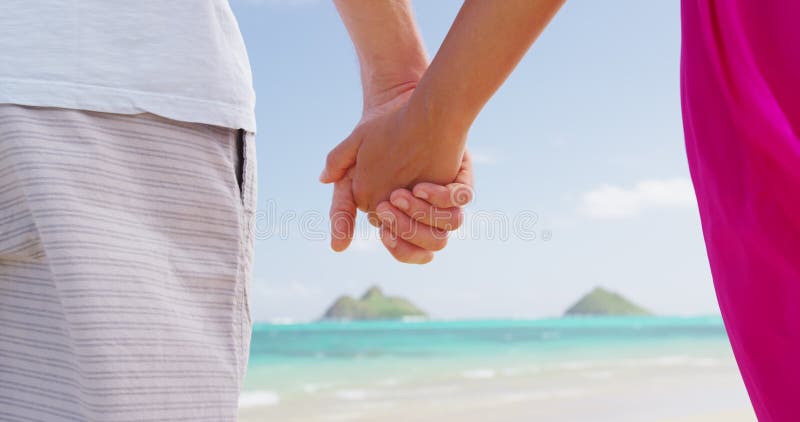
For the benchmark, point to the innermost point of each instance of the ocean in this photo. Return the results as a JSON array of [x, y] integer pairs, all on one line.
[[563, 369]]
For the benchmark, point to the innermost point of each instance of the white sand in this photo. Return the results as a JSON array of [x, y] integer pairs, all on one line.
[[664, 392]]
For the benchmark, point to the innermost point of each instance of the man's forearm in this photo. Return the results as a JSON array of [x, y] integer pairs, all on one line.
[[388, 45], [484, 45]]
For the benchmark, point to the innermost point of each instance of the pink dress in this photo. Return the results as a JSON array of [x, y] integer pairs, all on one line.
[[740, 88]]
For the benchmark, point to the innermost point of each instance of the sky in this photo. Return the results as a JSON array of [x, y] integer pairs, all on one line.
[[581, 174]]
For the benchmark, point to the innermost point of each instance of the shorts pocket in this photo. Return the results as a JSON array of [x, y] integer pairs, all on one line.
[[247, 178], [249, 171], [248, 188]]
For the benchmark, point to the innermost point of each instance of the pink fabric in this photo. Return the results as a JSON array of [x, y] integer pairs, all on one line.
[[740, 88]]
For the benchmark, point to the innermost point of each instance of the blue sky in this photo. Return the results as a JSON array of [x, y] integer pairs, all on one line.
[[585, 135]]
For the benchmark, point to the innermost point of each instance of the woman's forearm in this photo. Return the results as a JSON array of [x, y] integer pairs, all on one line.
[[487, 40], [388, 44]]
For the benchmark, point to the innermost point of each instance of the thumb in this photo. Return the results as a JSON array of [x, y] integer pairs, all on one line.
[[462, 188], [466, 174], [341, 158], [456, 194], [343, 214]]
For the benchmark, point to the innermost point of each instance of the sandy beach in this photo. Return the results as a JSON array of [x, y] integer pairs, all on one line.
[[617, 379], [666, 392]]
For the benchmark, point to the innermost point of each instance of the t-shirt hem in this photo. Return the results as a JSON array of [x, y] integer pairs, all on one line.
[[125, 101]]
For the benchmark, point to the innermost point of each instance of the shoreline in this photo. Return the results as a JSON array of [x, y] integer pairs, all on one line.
[[653, 369]]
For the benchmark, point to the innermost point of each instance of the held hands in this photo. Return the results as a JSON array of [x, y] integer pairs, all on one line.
[[395, 148], [419, 137]]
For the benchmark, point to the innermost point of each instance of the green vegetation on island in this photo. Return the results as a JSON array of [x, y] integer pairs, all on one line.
[[373, 305], [601, 302]]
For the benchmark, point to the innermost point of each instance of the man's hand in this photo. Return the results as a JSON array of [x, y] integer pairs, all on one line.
[[394, 146]]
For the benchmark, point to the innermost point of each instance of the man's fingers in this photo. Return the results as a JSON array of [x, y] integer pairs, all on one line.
[[404, 251], [442, 218], [412, 231], [341, 158], [343, 215], [453, 195]]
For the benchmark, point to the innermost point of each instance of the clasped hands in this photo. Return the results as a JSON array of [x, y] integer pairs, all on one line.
[[408, 171]]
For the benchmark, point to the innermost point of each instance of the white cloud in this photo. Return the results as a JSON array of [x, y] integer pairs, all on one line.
[[609, 201]]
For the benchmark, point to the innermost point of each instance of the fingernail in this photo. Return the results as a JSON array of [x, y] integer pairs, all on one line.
[[401, 203], [461, 195], [421, 194], [324, 175], [341, 227], [373, 220]]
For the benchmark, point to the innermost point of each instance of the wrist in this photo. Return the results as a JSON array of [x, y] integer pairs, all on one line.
[[383, 86], [447, 124]]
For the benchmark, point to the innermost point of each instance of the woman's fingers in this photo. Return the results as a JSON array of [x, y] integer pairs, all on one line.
[[412, 231], [442, 218], [402, 250]]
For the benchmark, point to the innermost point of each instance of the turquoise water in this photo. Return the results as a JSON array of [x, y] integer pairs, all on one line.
[[295, 359]]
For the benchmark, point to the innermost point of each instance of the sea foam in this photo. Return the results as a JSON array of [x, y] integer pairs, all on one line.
[[351, 395], [258, 399], [476, 374]]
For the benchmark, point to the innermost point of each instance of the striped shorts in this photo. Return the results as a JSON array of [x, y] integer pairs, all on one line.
[[125, 258]]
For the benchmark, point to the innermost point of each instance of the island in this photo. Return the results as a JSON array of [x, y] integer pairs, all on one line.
[[602, 302], [373, 305]]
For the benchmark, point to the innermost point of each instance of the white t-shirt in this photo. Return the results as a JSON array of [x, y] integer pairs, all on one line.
[[181, 59]]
